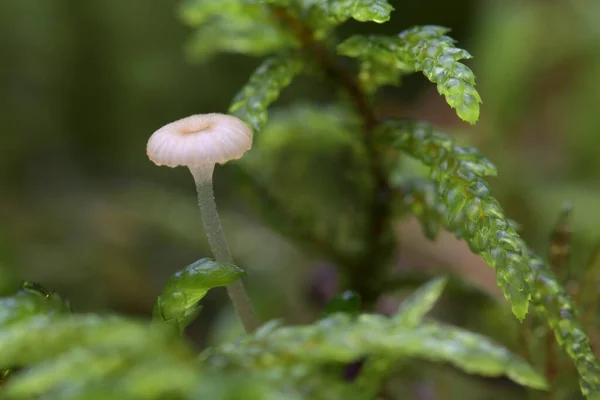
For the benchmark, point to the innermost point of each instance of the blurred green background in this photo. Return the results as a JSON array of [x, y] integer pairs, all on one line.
[[84, 83]]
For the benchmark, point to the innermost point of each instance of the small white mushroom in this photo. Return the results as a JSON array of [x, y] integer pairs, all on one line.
[[199, 142]]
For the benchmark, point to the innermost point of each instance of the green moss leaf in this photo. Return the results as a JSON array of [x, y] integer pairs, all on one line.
[[338, 11], [426, 49], [30, 301], [471, 211], [264, 87], [419, 197], [470, 352], [42, 337], [474, 215], [341, 338], [413, 309], [178, 303], [552, 301]]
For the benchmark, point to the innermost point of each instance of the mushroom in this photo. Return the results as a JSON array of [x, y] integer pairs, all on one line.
[[199, 142]]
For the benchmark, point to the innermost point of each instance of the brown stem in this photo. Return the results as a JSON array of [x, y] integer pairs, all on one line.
[[364, 276]]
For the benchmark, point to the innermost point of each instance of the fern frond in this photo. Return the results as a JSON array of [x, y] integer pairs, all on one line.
[[178, 303], [470, 352], [410, 314], [263, 88], [552, 301], [413, 309], [341, 338], [471, 211], [43, 337], [380, 63], [339, 11], [419, 197], [31, 300], [107, 357], [423, 48], [78, 365], [475, 215]]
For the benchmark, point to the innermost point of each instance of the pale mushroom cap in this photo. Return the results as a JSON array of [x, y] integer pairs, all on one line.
[[200, 140]]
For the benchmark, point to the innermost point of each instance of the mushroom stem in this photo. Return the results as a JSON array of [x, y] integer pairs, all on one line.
[[218, 244]]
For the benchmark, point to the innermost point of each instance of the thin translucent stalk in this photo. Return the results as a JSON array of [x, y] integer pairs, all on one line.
[[218, 244]]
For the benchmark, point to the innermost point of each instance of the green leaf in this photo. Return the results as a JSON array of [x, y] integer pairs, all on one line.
[[475, 215], [339, 11], [473, 353], [419, 197], [423, 48], [409, 315], [552, 301], [44, 337], [178, 303], [251, 103], [342, 339], [471, 211], [380, 64], [77, 365], [93, 357], [413, 309], [31, 300]]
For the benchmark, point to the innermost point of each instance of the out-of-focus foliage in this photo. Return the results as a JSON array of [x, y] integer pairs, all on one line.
[[84, 83], [473, 214], [232, 26], [127, 359], [290, 149], [178, 303]]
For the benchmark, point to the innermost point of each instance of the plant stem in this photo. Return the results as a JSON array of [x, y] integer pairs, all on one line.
[[218, 245]]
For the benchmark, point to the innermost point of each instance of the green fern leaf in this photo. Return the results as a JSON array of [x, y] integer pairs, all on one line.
[[410, 315], [473, 214], [251, 103], [43, 337], [31, 300], [339, 11], [178, 303], [471, 211], [423, 48], [470, 352], [78, 365], [413, 309], [553, 302], [342, 339], [419, 197], [380, 64]]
